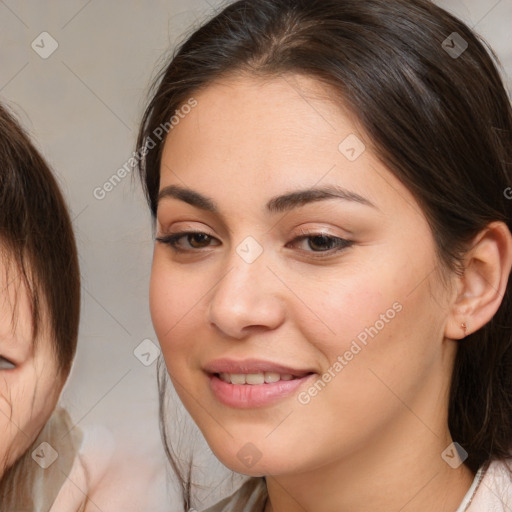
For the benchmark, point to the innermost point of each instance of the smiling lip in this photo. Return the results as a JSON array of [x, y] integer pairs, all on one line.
[[246, 396]]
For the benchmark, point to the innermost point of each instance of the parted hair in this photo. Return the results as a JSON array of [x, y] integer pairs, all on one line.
[[440, 121]]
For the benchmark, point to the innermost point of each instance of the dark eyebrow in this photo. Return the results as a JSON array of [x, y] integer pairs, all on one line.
[[310, 195], [188, 196], [275, 205]]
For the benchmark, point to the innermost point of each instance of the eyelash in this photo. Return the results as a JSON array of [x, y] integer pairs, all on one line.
[[340, 243]]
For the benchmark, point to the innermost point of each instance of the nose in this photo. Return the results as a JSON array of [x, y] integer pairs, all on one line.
[[248, 298]]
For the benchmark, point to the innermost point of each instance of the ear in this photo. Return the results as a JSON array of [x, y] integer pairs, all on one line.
[[481, 288]]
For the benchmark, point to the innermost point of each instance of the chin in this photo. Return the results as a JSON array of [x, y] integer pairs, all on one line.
[[250, 460]]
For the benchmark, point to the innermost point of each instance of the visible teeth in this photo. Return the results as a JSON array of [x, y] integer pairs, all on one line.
[[271, 377], [237, 378], [254, 378]]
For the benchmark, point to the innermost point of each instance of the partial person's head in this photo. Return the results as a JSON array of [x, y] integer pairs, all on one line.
[[40, 292], [392, 291]]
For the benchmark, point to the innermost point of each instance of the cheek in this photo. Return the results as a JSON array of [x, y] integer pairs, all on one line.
[[382, 354], [8, 429], [167, 297], [175, 301], [382, 320], [343, 306], [16, 396], [388, 340], [20, 414]]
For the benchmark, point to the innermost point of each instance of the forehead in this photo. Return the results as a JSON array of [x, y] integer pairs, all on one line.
[[260, 117], [259, 137]]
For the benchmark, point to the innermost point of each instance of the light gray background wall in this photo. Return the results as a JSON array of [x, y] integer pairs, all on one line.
[[82, 105]]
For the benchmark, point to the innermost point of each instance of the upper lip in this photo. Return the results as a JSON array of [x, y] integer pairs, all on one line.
[[252, 366]]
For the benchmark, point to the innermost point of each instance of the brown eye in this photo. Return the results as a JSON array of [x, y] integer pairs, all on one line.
[[194, 241], [198, 240], [321, 243]]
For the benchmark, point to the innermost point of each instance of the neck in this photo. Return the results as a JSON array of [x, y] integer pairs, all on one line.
[[396, 472]]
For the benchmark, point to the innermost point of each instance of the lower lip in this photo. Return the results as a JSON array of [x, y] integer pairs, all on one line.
[[248, 396]]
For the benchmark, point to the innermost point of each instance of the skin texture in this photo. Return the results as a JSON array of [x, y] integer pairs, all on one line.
[[28, 396], [28, 392], [380, 425]]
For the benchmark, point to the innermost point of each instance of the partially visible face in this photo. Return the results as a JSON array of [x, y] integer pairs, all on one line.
[[30, 381], [272, 296]]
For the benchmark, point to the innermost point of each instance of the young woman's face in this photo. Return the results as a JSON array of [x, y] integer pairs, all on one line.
[[304, 320], [30, 382]]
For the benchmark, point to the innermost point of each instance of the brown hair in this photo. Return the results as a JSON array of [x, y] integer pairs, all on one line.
[[36, 235], [441, 123], [37, 243]]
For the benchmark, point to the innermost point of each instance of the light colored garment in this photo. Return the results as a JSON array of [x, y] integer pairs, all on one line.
[[32, 486], [494, 492], [491, 491], [57, 476]]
